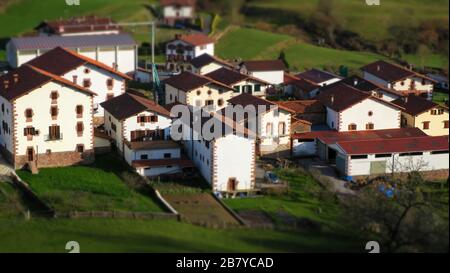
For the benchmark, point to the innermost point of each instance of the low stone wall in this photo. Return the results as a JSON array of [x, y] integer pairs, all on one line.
[[427, 175], [57, 159]]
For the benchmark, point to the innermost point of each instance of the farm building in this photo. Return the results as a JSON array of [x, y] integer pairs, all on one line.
[[87, 25], [271, 71], [319, 77], [206, 63], [241, 83], [399, 78], [428, 116], [299, 88], [358, 158], [177, 11], [116, 51]]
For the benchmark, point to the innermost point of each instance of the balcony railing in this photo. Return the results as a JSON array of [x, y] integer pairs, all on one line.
[[54, 137]]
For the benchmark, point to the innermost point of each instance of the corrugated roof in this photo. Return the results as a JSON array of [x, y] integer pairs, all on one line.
[[50, 42], [400, 145]]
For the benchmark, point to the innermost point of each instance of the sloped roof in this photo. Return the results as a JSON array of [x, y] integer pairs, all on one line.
[[264, 65], [415, 105], [303, 84], [128, 105], [59, 61], [188, 81], [195, 39], [390, 72], [81, 41], [177, 2], [303, 106], [26, 78], [206, 59], [317, 76], [364, 85], [399, 145], [80, 24], [229, 77]]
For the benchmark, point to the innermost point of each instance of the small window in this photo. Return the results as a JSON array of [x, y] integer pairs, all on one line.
[[87, 71], [402, 83], [370, 113], [80, 148], [199, 92], [352, 127], [144, 157], [370, 126], [411, 154], [75, 79], [80, 128], [3, 108], [237, 89], [167, 155], [86, 83], [220, 102], [209, 102], [54, 112], [257, 87], [110, 83], [359, 157], [54, 95], [446, 124], [141, 119], [426, 125], [434, 112], [79, 111], [48, 151], [209, 92], [153, 118], [424, 82], [29, 114], [383, 155], [439, 152]]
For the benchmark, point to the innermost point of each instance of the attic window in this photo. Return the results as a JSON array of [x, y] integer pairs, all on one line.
[[209, 92], [29, 114], [54, 96], [370, 113], [352, 127], [86, 83], [199, 92], [87, 71]]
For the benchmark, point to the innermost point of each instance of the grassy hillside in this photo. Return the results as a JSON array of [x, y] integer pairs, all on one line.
[[371, 22]]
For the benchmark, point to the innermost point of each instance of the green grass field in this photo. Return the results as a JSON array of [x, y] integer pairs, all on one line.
[[371, 22], [84, 188], [10, 201], [440, 97], [99, 235]]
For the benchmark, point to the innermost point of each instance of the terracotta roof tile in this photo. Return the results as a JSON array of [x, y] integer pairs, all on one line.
[[79, 24], [230, 77], [415, 105], [206, 59], [316, 76], [303, 106], [264, 65], [195, 39], [390, 72], [188, 81]]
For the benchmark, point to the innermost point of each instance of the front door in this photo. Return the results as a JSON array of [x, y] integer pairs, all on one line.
[[30, 154], [232, 184]]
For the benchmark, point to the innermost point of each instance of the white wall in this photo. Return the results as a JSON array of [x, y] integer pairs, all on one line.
[[332, 119], [131, 124], [67, 119], [181, 12], [204, 49], [272, 77], [208, 68], [252, 83], [269, 140]]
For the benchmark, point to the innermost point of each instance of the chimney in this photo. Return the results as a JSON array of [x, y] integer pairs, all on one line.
[[405, 99], [332, 99], [378, 67], [16, 78]]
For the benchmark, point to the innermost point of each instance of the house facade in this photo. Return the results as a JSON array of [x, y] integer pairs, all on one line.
[[103, 80], [399, 78], [428, 116], [56, 131], [117, 51], [174, 11], [206, 63], [197, 90], [184, 48], [271, 71]]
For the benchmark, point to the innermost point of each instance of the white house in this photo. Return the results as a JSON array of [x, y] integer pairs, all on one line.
[[349, 109], [226, 160], [271, 71], [319, 77], [299, 88], [272, 123], [362, 158], [118, 51], [241, 83], [399, 78], [206, 63], [140, 130], [174, 11], [85, 25], [93, 75], [186, 47], [46, 119], [197, 90]]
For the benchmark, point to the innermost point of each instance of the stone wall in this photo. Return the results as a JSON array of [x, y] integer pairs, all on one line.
[[60, 159]]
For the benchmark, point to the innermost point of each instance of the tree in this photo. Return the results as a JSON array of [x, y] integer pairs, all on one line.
[[410, 221], [282, 57]]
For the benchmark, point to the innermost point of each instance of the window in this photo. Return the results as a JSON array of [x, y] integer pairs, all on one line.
[[54, 112], [370, 113], [86, 83], [29, 132], [3, 108], [80, 128], [209, 92], [281, 129], [424, 82], [144, 157], [153, 118], [87, 71], [141, 119], [402, 83], [113, 127], [54, 132], [237, 89], [352, 127], [220, 102], [170, 97], [48, 151], [380, 95], [209, 102], [383, 155], [29, 114], [434, 112], [79, 111], [54, 96], [426, 125], [411, 154], [257, 87], [167, 155], [269, 128], [440, 111], [439, 152], [199, 92], [80, 148], [359, 157], [446, 124], [110, 84], [370, 126]]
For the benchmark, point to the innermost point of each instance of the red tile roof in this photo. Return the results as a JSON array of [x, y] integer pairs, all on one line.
[[178, 2], [303, 106], [59, 61], [332, 137], [399, 145], [415, 105], [27, 78], [195, 39], [79, 24], [206, 59], [391, 72], [364, 85], [303, 84], [316, 76], [128, 105], [188, 81], [230, 77], [264, 65]]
